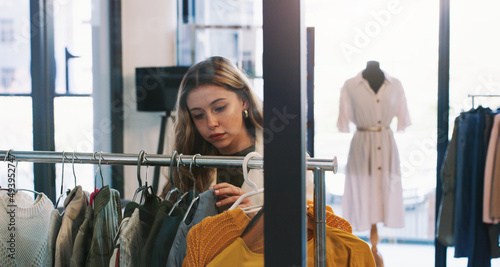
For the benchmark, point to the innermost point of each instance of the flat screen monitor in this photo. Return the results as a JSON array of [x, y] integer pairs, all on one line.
[[157, 87]]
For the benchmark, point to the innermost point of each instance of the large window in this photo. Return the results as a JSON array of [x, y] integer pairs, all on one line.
[[72, 39], [403, 37], [232, 29], [474, 68], [15, 87]]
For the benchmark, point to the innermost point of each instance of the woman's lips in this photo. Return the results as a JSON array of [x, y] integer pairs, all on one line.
[[215, 137]]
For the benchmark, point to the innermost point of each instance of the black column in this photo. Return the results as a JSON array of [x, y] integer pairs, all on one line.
[[43, 90], [116, 83], [284, 65], [443, 113]]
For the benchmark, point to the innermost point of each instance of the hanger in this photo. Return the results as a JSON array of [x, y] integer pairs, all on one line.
[[62, 180], [194, 185], [141, 188], [15, 190], [99, 169], [73, 166], [185, 193], [248, 181], [171, 177]]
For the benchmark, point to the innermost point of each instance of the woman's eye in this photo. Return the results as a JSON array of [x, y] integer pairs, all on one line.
[[198, 116], [219, 109]]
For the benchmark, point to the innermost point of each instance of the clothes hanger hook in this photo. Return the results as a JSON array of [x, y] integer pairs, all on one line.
[[62, 171], [171, 169], [7, 155], [193, 160], [62, 180], [99, 169], [245, 168], [139, 161], [179, 159], [145, 159], [73, 166]]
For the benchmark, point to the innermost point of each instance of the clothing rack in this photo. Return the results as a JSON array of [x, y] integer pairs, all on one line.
[[474, 96], [319, 166]]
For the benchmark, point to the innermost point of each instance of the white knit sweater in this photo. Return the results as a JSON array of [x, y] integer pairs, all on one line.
[[30, 241]]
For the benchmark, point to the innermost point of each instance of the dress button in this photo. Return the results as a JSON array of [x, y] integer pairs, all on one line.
[[379, 168], [379, 148], [379, 122], [378, 100]]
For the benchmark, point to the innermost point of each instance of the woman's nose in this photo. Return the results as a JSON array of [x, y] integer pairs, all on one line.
[[212, 122]]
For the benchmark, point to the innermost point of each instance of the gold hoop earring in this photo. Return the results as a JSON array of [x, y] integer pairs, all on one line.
[[245, 113]]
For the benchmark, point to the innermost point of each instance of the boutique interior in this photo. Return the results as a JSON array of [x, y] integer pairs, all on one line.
[[89, 90]]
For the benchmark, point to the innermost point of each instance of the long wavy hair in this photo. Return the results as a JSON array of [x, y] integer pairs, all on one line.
[[216, 71]]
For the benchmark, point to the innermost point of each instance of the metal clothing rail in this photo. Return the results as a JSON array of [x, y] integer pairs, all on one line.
[[474, 96], [319, 166]]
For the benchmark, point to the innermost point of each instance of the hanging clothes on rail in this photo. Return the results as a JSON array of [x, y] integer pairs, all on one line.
[[463, 177], [136, 231], [55, 225], [127, 213], [168, 231], [490, 215], [24, 234], [147, 251], [204, 207], [75, 206], [247, 249], [94, 241], [212, 235]]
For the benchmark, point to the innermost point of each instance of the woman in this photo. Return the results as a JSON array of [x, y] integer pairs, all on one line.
[[218, 114]]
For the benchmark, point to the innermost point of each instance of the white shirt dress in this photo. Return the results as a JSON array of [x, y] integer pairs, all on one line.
[[373, 190]]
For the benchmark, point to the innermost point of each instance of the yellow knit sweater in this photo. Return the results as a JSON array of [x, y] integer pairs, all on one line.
[[212, 235]]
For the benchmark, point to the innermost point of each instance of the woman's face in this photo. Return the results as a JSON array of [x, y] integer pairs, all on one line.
[[217, 114]]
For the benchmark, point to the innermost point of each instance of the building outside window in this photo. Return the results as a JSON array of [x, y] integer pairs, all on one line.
[[6, 31]]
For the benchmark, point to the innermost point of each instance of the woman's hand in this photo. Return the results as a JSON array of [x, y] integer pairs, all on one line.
[[227, 194]]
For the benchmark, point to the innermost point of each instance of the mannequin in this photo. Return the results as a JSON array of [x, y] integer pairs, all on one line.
[[370, 100], [374, 75]]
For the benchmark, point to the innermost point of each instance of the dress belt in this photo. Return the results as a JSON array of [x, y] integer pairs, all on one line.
[[372, 128]]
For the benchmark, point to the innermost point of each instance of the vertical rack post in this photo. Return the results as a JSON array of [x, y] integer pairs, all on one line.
[[319, 218], [284, 72]]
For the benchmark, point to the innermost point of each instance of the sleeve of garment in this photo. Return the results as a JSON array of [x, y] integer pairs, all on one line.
[[344, 108], [446, 208], [403, 115]]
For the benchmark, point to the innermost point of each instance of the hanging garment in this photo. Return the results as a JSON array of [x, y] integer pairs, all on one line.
[[447, 206], [342, 249], [107, 217], [168, 231], [129, 209], [83, 240], [147, 250], [212, 235], [133, 237], [129, 244], [238, 254], [75, 206], [495, 183], [25, 230], [488, 173], [55, 225], [470, 233], [373, 190], [332, 220], [201, 209], [115, 258]]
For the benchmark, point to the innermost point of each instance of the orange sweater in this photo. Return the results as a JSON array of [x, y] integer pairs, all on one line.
[[212, 235]]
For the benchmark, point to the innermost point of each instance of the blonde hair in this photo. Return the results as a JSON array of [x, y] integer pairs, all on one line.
[[221, 72]]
